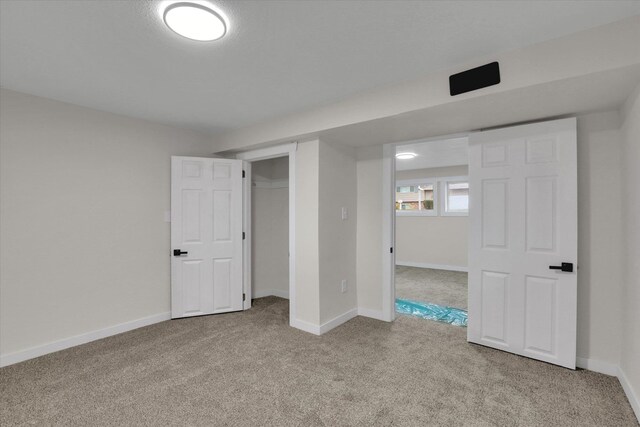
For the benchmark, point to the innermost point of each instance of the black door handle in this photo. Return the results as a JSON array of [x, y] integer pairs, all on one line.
[[565, 266], [178, 252]]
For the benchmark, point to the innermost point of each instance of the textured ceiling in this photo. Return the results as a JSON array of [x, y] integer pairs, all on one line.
[[279, 57]]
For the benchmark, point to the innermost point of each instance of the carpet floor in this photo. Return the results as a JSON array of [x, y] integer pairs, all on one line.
[[251, 368], [440, 287]]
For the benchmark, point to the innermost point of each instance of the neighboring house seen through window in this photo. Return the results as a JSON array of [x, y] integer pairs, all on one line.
[[421, 197], [418, 197]]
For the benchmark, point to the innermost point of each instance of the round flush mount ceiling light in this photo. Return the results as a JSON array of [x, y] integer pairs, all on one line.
[[195, 21], [405, 156]]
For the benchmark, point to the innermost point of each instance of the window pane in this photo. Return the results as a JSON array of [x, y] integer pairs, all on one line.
[[426, 197], [457, 197], [415, 197]]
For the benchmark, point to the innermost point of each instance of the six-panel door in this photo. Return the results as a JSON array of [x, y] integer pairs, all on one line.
[[523, 219], [206, 223]]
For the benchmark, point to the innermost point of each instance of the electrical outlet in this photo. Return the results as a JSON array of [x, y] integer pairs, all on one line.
[[343, 286], [345, 214]]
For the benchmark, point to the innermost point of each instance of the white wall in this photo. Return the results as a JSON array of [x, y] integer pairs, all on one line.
[[276, 169], [599, 237], [307, 255], [415, 235], [84, 245], [325, 250], [630, 355], [280, 168], [599, 234], [369, 258], [338, 189], [270, 228], [432, 242]]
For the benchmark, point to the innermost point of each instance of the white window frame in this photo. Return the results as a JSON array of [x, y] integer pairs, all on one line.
[[416, 182], [444, 183]]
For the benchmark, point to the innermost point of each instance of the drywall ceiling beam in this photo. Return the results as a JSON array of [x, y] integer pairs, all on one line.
[[595, 52]]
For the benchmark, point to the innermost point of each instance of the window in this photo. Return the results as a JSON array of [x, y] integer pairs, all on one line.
[[416, 198], [446, 196], [456, 197]]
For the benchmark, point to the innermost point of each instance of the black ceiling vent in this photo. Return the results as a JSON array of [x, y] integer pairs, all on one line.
[[474, 79]]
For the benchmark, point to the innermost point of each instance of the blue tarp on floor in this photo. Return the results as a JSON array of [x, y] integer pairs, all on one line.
[[425, 310]]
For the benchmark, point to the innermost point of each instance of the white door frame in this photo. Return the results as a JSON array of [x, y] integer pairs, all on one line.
[[389, 222], [388, 233], [282, 150]]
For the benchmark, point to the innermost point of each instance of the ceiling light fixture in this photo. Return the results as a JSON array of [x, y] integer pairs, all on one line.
[[195, 21], [405, 156]]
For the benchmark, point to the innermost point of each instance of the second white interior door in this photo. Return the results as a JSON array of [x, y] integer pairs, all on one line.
[[206, 236], [523, 240]]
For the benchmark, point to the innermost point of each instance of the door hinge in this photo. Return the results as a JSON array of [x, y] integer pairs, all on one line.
[[243, 174], [244, 297], [243, 235], [390, 250]]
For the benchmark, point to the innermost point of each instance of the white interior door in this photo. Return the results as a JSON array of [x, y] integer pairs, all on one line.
[[206, 236], [523, 227]]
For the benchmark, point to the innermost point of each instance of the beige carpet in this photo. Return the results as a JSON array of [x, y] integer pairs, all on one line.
[[441, 287], [251, 368]]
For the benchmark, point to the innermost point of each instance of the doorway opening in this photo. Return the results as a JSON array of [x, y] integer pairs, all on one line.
[[431, 229], [522, 245], [270, 232], [269, 220]]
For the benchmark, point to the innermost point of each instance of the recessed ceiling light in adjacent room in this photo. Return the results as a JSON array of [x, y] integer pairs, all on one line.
[[405, 156], [195, 21]]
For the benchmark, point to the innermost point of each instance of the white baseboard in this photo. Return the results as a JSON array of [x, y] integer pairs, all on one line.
[[271, 292], [339, 320], [325, 327], [41, 350], [367, 312], [630, 392], [615, 371], [432, 266], [597, 366], [305, 326]]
